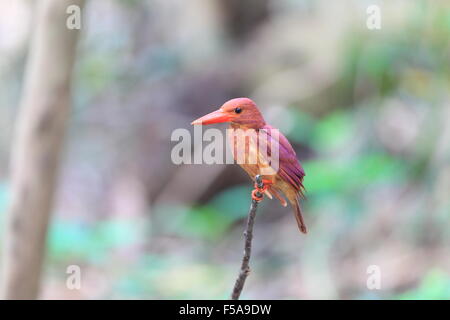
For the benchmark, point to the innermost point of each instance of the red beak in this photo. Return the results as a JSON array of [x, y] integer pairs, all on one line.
[[217, 116]]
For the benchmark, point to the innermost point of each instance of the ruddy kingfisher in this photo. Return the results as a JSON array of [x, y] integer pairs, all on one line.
[[284, 178]]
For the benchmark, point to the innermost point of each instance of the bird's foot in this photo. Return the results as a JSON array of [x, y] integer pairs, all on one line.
[[258, 192], [257, 196]]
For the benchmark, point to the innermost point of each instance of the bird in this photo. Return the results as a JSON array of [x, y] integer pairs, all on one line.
[[284, 179]]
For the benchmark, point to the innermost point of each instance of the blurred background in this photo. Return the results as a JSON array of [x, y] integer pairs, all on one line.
[[367, 111]]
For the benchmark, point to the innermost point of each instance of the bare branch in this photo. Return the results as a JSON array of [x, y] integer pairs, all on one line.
[[248, 234]]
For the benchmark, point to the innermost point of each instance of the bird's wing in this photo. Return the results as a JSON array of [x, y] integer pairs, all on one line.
[[290, 169]]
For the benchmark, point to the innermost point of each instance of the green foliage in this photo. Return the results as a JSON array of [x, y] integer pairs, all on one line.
[[208, 221], [90, 242], [202, 222], [333, 132], [97, 71], [303, 126], [332, 176], [233, 202], [434, 285]]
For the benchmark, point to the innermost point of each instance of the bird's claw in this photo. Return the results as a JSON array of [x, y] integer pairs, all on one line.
[[258, 193]]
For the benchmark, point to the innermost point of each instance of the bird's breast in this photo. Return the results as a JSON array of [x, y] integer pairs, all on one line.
[[250, 149]]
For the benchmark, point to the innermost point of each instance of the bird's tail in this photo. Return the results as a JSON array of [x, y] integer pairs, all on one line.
[[299, 216]]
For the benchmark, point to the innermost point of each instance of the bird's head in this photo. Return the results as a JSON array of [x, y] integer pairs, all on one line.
[[241, 112]]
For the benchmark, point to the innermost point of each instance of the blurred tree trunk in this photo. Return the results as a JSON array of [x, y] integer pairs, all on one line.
[[42, 119]]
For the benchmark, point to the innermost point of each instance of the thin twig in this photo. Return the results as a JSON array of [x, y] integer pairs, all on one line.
[[248, 234]]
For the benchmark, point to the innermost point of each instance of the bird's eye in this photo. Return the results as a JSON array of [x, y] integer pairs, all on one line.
[[238, 110]]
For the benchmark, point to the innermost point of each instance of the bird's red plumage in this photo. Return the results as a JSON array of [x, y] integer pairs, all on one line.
[[242, 113]]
